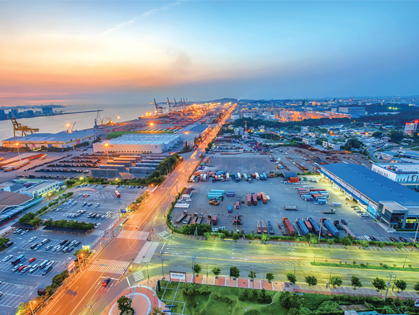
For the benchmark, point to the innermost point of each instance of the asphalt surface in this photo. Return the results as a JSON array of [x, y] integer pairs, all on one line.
[[130, 249]]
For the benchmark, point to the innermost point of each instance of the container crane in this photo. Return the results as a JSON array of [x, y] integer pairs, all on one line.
[[70, 128], [159, 109], [20, 131], [176, 105], [171, 107]]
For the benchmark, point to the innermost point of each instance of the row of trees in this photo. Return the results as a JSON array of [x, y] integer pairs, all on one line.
[[69, 224], [30, 218], [335, 281]]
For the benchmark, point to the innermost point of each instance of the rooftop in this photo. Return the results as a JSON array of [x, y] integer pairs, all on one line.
[[8, 198], [372, 184], [138, 138], [61, 136]]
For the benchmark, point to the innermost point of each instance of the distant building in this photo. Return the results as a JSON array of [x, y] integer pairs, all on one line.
[[331, 145], [47, 111], [309, 141], [33, 188], [355, 111], [403, 173], [239, 131], [410, 128], [234, 117]]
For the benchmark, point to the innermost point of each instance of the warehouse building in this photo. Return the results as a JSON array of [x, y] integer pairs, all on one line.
[[60, 140], [33, 188], [383, 199], [139, 143], [404, 173]]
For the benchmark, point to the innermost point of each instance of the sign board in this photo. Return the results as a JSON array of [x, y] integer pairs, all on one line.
[[71, 266], [123, 211], [180, 276]]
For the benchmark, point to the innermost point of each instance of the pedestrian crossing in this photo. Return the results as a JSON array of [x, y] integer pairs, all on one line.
[[133, 235], [164, 234], [138, 275], [109, 266]]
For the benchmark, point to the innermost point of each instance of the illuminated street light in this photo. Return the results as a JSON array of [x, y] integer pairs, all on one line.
[[107, 154], [17, 147]]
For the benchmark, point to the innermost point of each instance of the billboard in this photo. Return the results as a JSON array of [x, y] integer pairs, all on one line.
[[179, 276]]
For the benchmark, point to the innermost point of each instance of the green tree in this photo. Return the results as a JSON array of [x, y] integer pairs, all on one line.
[[399, 246], [3, 241], [311, 280], [365, 244], [396, 136], [207, 235], [265, 238], [291, 277], [356, 282], [381, 244], [234, 272], [330, 241], [157, 311], [346, 241], [236, 236], [216, 271], [416, 286], [379, 284], [252, 274], [124, 303], [197, 268], [336, 281], [222, 236], [270, 276], [377, 134], [400, 284]]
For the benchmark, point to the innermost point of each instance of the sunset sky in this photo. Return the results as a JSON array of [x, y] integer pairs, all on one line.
[[81, 52]]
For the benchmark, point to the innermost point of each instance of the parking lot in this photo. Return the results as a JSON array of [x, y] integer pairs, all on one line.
[[17, 286], [280, 195]]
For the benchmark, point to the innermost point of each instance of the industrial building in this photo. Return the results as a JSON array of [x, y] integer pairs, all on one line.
[[57, 140], [12, 203], [33, 188], [404, 173], [139, 143], [383, 199], [411, 127]]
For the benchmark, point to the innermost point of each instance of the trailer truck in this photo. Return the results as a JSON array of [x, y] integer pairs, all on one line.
[[180, 218], [249, 200], [255, 200], [264, 199], [288, 226]]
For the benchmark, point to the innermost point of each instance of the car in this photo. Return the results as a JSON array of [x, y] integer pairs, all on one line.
[[393, 239], [33, 268], [343, 222], [90, 204], [65, 249], [77, 243], [16, 268], [9, 243], [7, 258], [367, 237], [22, 267], [71, 249], [63, 242], [48, 247], [24, 270], [373, 238], [106, 282], [417, 304], [32, 259], [32, 239], [402, 239], [214, 202], [97, 205]]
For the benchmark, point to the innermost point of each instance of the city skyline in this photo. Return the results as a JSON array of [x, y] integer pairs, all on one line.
[[84, 53]]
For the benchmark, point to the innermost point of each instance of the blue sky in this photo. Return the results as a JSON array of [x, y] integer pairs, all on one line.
[[128, 52]]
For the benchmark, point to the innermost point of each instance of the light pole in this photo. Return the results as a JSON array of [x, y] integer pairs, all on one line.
[[17, 147], [253, 278], [31, 305], [395, 278], [315, 254], [107, 153], [193, 268]]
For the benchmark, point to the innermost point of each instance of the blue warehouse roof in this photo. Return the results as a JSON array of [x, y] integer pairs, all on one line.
[[373, 185]]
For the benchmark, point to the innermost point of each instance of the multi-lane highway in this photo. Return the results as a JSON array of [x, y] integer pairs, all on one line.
[[130, 249]]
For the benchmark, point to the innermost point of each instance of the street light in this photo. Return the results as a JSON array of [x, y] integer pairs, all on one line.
[[17, 147], [107, 154], [31, 305]]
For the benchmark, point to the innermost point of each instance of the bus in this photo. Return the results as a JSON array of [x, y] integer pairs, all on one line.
[[118, 195], [18, 259]]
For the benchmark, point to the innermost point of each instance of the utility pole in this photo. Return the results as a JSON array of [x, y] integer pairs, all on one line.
[[388, 286], [395, 278], [193, 269]]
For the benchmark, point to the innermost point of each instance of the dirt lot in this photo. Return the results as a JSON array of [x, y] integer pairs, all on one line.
[[280, 195]]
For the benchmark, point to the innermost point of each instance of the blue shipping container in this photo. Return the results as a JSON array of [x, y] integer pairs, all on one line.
[[332, 229], [302, 227], [316, 228]]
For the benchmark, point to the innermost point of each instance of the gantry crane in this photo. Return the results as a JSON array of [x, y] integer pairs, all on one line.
[[171, 107], [159, 108], [176, 105], [20, 131], [70, 127]]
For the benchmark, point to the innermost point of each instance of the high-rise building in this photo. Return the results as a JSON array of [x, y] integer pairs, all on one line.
[[411, 127]]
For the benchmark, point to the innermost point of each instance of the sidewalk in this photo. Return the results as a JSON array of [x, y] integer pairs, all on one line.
[[144, 294]]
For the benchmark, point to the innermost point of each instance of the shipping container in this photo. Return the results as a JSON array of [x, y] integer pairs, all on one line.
[[336, 204], [249, 200], [264, 199], [258, 196], [315, 226], [308, 225], [288, 226], [255, 200], [332, 229], [302, 227]]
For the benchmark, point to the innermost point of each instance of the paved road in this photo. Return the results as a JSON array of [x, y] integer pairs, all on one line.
[[129, 248]]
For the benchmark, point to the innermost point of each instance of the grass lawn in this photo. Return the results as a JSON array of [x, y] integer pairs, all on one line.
[[207, 304], [169, 294], [174, 285]]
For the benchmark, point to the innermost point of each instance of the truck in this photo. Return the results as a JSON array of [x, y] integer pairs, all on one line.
[[237, 220], [288, 226], [117, 194], [257, 177], [236, 177], [258, 227], [188, 218], [199, 221], [239, 176], [230, 209], [230, 193], [331, 228], [253, 175], [244, 176], [180, 218], [214, 220], [291, 208], [237, 204], [249, 200], [264, 198], [264, 176], [331, 211], [255, 200], [194, 219], [264, 229], [270, 228], [283, 230], [209, 219], [308, 225], [336, 204], [302, 226]]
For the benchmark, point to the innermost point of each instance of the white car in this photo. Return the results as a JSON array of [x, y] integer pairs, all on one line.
[[367, 237], [32, 239], [7, 258]]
